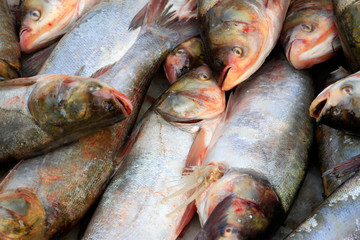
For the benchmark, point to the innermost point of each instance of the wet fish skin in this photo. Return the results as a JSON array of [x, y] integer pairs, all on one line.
[[334, 148], [336, 218], [9, 46], [347, 22], [119, 215], [43, 22], [260, 138], [69, 179], [309, 34], [239, 35], [187, 56], [338, 105], [55, 110]]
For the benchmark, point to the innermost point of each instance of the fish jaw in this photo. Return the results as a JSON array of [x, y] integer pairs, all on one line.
[[173, 66], [22, 215], [240, 204], [319, 104]]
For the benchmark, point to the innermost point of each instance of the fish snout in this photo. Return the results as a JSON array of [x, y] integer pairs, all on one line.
[[126, 105], [318, 104], [294, 51]]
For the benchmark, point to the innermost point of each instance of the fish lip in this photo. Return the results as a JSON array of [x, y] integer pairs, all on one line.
[[23, 30], [223, 75], [317, 106], [124, 101]]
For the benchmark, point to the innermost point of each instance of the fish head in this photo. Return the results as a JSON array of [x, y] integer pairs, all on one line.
[[194, 98], [338, 104], [234, 48], [22, 215], [43, 22], [63, 103], [309, 37], [238, 206], [186, 56], [233, 36]]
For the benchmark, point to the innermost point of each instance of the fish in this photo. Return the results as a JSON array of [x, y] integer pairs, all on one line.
[[337, 105], [59, 187], [309, 35], [52, 110], [9, 44], [347, 19], [128, 205], [44, 22], [238, 35], [336, 218], [187, 56], [257, 157]]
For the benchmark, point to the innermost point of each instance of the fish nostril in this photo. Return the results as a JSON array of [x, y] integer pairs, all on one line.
[[108, 105]]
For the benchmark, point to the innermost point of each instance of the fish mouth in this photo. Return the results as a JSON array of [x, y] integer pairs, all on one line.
[[317, 107], [223, 76], [23, 30], [124, 101]]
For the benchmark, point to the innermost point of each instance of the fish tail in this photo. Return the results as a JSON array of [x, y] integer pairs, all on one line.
[[158, 12]]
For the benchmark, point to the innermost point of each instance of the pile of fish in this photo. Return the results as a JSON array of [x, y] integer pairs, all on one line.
[[123, 118]]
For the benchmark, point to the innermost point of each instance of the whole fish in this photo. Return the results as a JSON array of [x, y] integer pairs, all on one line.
[[258, 156], [44, 21], [9, 44], [58, 188], [338, 105], [54, 110], [238, 35], [185, 57], [347, 21], [128, 206], [336, 218], [309, 35]]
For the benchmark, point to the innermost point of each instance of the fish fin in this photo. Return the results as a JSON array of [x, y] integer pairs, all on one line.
[[187, 216], [195, 182], [336, 75], [128, 145], [19, 82], [32, 65], [80, 71], [149, 14], [351, 165], [102, 70], [138, 20]]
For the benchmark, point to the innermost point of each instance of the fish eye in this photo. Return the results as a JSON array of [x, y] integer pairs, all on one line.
[[237, 51], [307, 27], [203, 76], [35, 15], [347, 89], [228, 231], [94, 88], [180, 52]]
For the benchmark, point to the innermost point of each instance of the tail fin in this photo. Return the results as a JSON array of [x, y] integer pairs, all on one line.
[[156, 12]]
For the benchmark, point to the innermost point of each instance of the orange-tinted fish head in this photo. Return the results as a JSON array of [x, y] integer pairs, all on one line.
[[22, 215], [193, 98], [64, 103], [234, 49], [338, 104], [238, 206], [309, 37], [43, 22]]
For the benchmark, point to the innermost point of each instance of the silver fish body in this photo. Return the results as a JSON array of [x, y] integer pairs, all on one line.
[[336, 218], [262, 149]]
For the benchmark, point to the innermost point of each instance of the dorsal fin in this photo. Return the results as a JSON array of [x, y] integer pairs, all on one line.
[[102, 70], [80, 71]]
